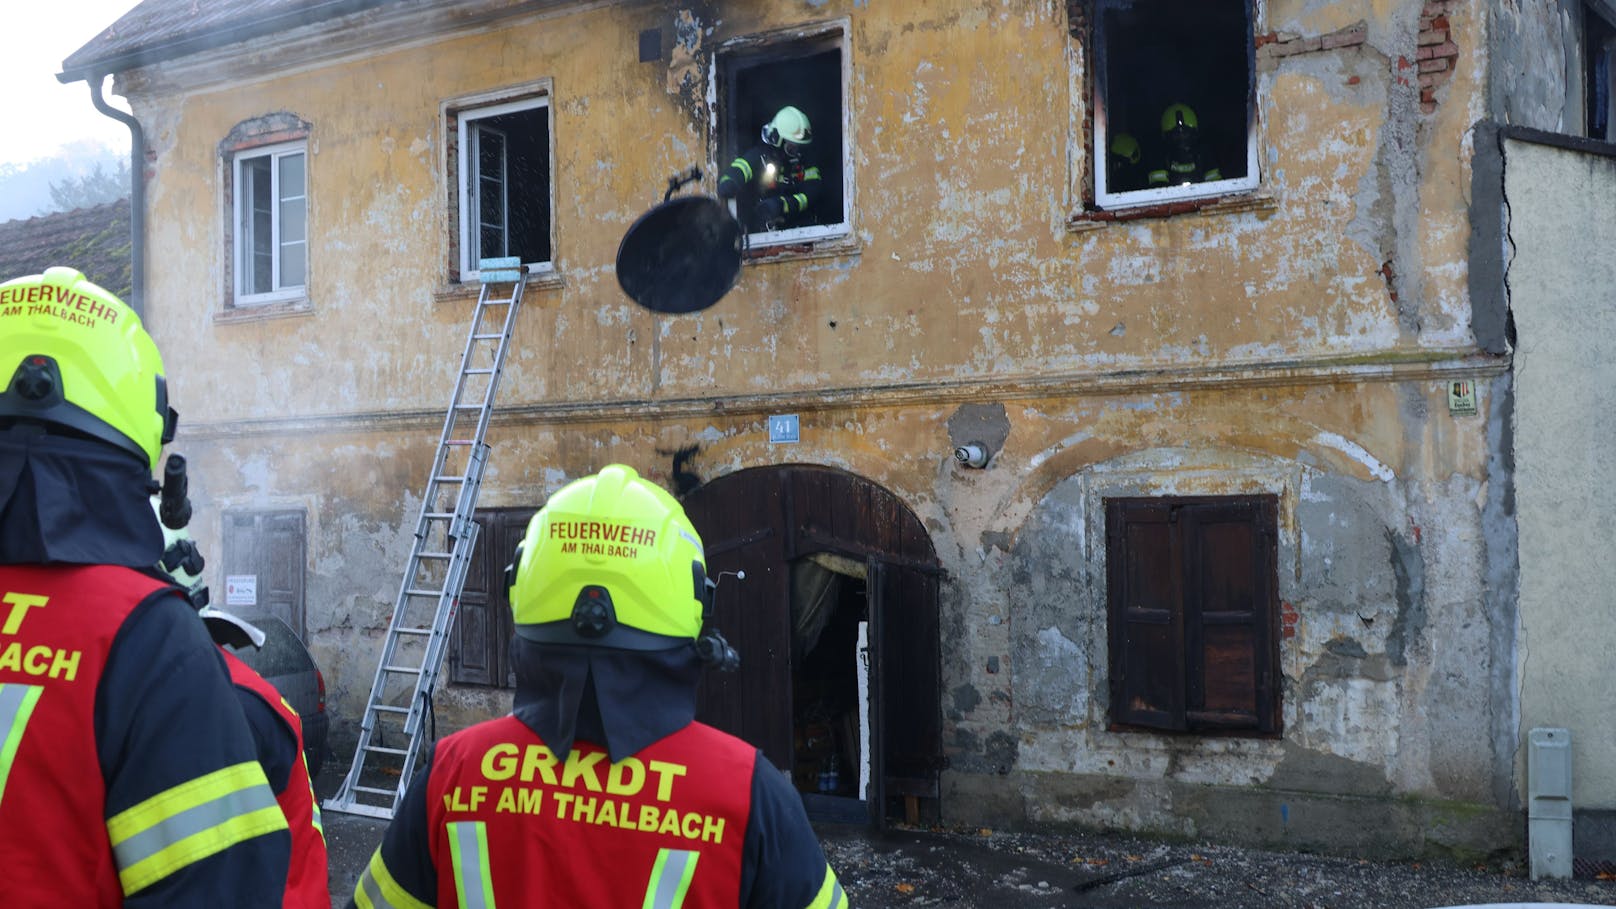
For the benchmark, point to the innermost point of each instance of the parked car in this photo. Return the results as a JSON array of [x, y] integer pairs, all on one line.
[[286, 663]]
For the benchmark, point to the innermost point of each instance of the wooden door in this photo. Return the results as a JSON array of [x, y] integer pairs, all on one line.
[[270, 547], [762, 519]]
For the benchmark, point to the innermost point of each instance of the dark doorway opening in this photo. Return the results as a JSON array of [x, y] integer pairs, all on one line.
[[830, 684], [794, 530]]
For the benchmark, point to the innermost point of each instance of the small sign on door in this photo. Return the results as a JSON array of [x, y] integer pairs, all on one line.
[[241, 590]]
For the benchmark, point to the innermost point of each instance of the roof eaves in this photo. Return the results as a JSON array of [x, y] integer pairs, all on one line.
[[186, 45]]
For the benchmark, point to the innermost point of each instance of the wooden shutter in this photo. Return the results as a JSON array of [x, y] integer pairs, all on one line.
[[479, 643], [1145, 625], [1192, 612], [1229, 568]]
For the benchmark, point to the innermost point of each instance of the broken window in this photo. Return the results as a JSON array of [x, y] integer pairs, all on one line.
[[500, 162], [1599, 69], [1192, 613], [1174, 111], [785, 198], [270, 236]]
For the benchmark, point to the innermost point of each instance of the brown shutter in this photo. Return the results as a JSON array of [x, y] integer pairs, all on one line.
[[479, 649], [1228, 567], [1146, 624], [472, 659]]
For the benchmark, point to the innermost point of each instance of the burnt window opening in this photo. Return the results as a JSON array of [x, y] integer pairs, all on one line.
[[1193, 615], [500, 162], [1174, 100], [754, 83], [1599, 72]]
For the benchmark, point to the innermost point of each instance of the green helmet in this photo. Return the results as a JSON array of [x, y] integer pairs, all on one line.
[[1177, 115], [75, 356], [610, 561], [1126, 147], [788, 125]]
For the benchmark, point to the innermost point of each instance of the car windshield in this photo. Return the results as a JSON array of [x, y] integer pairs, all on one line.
[[282, 653]]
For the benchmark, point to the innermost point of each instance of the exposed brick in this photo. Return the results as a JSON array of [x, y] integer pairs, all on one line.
[[1346, 37], [1433, 37], [1427, 106], [1440, 22]]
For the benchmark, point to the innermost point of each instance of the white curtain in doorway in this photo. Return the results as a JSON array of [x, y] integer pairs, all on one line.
[[816, 586]]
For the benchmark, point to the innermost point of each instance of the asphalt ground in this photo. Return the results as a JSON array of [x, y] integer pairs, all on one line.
[[954, 869]]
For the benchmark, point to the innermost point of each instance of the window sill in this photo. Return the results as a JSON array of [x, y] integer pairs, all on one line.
[[259, 312], [825, 248], [470, 290], [1094, 219]]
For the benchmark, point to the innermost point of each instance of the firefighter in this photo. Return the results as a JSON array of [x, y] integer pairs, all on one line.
[[782, 189], [277, 730], [600, 789], [1125, 165], [130, 777], [1185, 160]]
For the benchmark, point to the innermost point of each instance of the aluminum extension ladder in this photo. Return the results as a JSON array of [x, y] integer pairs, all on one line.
[[391, 734]]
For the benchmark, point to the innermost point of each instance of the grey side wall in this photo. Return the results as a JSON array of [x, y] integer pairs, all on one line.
[[1560, 201]]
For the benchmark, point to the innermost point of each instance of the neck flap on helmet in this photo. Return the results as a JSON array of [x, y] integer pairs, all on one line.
[[621, 700]]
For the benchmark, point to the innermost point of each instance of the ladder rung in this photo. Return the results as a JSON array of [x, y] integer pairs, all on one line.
[[381, 750], [389, 708], [448, 478], [489, 337], [478, 406], [412, 670], [435, 555], [413, 630], [374, 791], [437, 515], [460, 441], [479, 371], [422, 592]]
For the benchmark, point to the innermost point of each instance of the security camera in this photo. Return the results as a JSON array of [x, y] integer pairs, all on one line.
[[974, 454]]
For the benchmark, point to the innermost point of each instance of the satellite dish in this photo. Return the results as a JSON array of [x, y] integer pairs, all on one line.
[[681, 256]]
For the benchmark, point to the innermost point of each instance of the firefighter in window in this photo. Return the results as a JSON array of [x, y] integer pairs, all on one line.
[[600, 788], [772, 181], [1185, 159], [1126, 164]]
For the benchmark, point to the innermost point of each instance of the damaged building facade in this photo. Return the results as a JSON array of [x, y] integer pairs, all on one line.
[[1228, 549]]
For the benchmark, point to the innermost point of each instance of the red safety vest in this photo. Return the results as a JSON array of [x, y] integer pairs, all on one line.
[[307, 885], [57, 625], [510, 824]]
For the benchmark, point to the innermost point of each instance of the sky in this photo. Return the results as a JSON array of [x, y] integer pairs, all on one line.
[[42, 34]]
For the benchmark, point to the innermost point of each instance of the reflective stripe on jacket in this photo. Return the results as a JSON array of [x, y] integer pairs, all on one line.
[[58, 626]]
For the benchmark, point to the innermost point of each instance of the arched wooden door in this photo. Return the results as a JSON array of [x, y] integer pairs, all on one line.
[[762, 519]]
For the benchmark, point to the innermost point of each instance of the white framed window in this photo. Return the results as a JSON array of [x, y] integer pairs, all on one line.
[[755, 77], [1174, 100], [270, 223], [502, 172]]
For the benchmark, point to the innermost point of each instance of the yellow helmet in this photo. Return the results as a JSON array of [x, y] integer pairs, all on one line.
[[788, 125], [1125, 147], [74, 355], [1177, 115], [610, 561]]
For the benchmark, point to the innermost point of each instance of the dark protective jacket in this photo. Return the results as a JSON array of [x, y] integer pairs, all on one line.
[[133, 781], [684, 809], [764, 178], [278, 731]]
